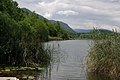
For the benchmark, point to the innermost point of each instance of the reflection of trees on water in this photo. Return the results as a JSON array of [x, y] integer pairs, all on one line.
[[58, 55]]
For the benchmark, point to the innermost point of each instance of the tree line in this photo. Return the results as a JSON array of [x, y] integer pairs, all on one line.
[[21, 36]]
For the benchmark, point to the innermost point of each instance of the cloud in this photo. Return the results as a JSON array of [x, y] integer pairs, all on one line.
[[67, 13], [47, 15], [78, 13]]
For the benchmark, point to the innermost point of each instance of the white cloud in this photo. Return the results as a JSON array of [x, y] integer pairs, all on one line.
[[67, 12], [78, 13], [47, 15]]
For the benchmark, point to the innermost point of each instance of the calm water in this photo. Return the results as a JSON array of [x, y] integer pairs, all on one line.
[[70, 63]]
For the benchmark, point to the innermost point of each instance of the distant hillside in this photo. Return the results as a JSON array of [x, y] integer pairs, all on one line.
[[62, 24], [27, 10], [91, 30], [103, 31], [82, 30], [89, 34], [65, 26]]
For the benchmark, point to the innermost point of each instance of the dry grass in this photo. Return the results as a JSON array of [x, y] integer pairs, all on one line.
[[104, 56]]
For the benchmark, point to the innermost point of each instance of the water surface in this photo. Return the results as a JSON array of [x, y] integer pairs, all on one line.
[[71, 65]]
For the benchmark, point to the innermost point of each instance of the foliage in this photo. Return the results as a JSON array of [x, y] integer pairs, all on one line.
[[53, 29], [22, 34], [95, 32], [21, 37]]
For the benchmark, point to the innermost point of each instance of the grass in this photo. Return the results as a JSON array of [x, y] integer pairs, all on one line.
[[104, 56]]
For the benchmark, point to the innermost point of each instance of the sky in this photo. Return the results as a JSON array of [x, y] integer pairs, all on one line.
[[78, 14]]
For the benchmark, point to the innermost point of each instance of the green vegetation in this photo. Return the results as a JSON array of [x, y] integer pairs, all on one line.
[[55, 28], [22, 33], [104, 55], [91, 34]]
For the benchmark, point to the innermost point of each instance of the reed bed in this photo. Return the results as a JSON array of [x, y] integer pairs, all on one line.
[[104, 55]]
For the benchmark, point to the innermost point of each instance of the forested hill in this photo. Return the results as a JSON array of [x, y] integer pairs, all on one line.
[[103, 31], [27, 10], [62, 24], [28, 20], [93, 32], [66, 32], [82, 30], [21, 35], [65, 26]]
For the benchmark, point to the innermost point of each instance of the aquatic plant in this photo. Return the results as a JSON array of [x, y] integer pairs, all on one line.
[[104, 55]]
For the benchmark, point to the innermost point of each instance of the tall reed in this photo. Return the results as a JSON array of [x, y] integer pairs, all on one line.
[[104, 55]]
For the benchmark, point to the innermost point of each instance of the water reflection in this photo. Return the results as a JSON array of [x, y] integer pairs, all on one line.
[[72, 66], [57, 57], [68, 63]]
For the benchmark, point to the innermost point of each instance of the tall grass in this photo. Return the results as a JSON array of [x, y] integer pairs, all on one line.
[[104, 55]]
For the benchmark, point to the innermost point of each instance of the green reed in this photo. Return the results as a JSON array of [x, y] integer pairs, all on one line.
[[104, 55]]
